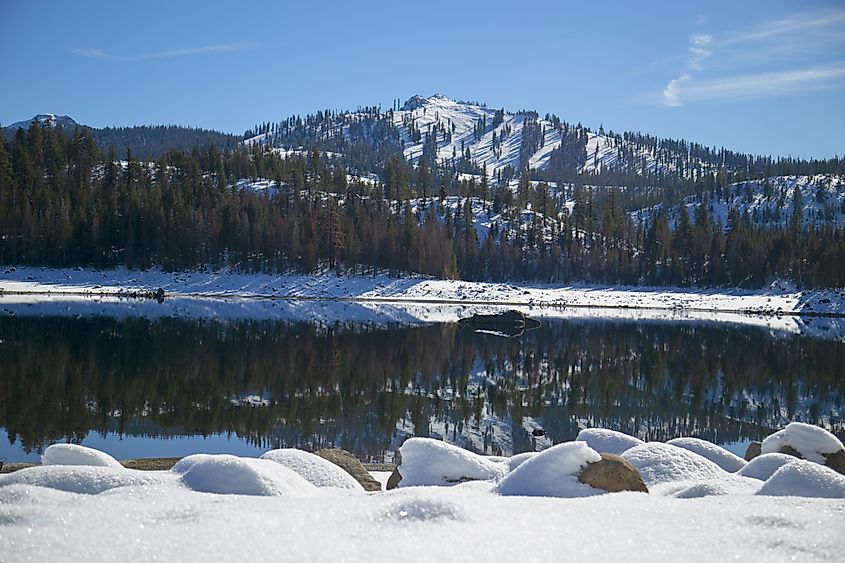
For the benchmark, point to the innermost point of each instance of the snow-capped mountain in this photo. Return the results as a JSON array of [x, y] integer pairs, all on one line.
[[471, 137], [46, 120]]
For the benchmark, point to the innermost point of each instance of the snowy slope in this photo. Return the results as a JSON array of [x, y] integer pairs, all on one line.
[[769, 201]]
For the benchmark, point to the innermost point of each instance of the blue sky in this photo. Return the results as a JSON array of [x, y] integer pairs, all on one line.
[[764, 77]]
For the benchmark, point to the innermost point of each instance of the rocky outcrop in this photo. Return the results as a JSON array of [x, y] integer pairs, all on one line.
[[754, 449], [351, 465], [613, 474]]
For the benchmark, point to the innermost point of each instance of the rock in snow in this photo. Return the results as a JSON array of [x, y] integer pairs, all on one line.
[[720, 456], [812, 442], [72, 454], [802, 478], [351, 465], [313, 468], [426, 461], [609, 441], [613, 474], [552, 473], [764, 466], [232, 475]]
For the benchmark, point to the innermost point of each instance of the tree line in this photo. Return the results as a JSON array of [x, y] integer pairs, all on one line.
[[65, 203]]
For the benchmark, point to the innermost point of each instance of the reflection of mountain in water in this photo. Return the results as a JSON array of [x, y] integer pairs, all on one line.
[[365, 389]]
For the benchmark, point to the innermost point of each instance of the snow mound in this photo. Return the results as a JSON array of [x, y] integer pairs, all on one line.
[[608, 441], [701, 490], [552, 473], [660, 463], [810, 441], [426, 461], [86, 480], [314, 469], [231, 475], [519, 459], [764, 466], [72, 454], [804, 479], [720, 456]]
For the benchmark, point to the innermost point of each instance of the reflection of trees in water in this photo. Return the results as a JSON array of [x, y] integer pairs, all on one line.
[[64, 377]]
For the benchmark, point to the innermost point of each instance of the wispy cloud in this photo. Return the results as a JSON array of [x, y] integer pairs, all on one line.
[[808, 39], [95, 53], [750, 86], [700, 19]]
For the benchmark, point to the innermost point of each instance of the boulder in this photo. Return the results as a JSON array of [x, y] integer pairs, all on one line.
[[393, 480], [612, 473], [789, 450], [351, 465], [836, 461], [754, 449]]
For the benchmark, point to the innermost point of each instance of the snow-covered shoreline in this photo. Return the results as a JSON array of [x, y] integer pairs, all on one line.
[[778, 299]]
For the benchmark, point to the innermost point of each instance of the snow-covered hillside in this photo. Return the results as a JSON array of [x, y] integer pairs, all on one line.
[[769, 202], [495, 140]]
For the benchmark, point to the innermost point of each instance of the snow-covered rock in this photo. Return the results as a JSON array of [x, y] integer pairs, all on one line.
[[518, 459], [232, 475], [609, 441], [426, 461], [73, 454], [764, 466], [804, 479], [720, 456], [313, 468], [86, 480], [660, 463], [812, 442], [552, 473]]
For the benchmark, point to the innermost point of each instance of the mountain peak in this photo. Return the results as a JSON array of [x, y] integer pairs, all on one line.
[[45, 120]]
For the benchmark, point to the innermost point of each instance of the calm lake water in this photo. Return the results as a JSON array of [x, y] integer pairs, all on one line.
[[135, 387]]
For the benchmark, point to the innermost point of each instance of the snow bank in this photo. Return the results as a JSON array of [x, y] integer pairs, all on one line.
[[314, 469], [426, 461], [804, 479], [718, 455], [552, 473], [232, 475], [518, 459], [810, 441], [86, 480], [660, 463], [764, 466], [608, 441], [72, 454]]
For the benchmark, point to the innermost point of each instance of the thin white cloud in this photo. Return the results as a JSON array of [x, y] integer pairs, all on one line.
[[700, 19], [753, 86], [798, 22], [806, 38], [94, 53]]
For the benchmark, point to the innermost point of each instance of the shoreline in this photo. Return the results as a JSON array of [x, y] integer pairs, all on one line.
[[164, 464]]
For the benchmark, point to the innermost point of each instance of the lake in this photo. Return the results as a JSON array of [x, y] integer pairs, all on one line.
[[159, 387]]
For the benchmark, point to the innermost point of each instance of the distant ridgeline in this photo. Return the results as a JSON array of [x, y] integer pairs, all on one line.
[[143, 141], [435, 186]]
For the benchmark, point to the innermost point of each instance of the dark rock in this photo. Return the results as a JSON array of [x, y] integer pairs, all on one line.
[[613, 474], [538, 432], [351, 465], [789, 450], [836, 461], [394, 479], [754, 449]]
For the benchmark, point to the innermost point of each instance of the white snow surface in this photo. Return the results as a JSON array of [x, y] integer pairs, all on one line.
[[608, 441], [73, 454], [764, 466], [810, 441], [314, 469], [552, 473], [803, 478], [232, 475], [263, 511], [720, 456], [426, 461]]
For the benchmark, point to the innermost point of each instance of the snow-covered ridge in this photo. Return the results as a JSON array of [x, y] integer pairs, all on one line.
[[769, 202]]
